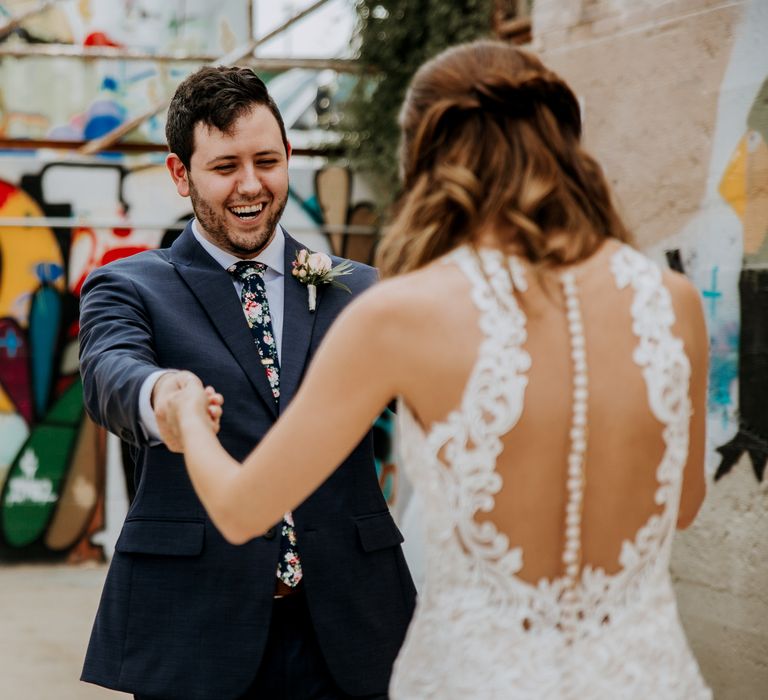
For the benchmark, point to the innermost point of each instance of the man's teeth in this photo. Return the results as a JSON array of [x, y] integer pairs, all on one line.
[[251, 210]]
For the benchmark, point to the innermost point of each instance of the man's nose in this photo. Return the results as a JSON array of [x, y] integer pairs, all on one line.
[[249, 183]]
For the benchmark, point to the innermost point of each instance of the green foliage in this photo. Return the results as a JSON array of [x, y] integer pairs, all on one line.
[[394, 38]]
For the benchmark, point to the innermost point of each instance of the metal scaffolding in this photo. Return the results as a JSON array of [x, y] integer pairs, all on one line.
[[511, 21], [245, 54]]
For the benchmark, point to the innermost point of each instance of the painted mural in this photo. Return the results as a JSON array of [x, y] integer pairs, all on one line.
[[48, 465], [64, 484], [744, 186], [53, 466], [71, 100], [724, 250]]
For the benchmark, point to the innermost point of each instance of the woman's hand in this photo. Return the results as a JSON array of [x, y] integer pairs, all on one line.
[[214, 408], [192, 407]]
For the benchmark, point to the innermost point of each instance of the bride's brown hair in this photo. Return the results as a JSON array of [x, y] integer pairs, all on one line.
[[491, 139]]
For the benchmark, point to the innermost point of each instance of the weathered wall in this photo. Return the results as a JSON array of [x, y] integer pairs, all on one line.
[[676, 109]]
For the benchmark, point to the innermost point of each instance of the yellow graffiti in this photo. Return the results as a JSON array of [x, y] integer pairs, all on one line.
[[733, 183], [6, 405], [21, 251], [756, 211], [744, 186]]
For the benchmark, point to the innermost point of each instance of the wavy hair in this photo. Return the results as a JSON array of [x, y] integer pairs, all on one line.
[[216, 96], [490, 141]]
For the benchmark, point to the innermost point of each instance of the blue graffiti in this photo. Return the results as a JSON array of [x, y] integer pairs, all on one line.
[[723, 369], [713, 294], [48, 272], [11, 343]]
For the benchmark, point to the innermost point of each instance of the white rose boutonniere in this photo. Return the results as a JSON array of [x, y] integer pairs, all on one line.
[[317, 268]]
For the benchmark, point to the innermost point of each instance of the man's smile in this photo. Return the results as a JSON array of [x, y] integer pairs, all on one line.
[[247, 212]]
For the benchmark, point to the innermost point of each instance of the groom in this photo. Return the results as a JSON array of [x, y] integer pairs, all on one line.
[[317, 606]]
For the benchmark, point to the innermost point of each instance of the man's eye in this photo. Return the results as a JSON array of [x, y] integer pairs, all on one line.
[[267, 163], [223, 168]]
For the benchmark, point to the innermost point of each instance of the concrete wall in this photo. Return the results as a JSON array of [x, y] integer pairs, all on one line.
[[676, 109]]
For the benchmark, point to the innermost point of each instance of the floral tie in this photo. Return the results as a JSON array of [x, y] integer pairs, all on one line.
[[256, 308]]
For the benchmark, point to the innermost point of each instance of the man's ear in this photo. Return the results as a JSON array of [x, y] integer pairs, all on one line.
[[179, 174], [288, 150]]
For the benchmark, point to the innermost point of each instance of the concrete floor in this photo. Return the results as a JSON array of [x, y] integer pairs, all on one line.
[[46, 617]]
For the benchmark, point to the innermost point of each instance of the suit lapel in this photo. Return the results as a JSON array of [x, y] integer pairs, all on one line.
[[213, 287], [298, 324]]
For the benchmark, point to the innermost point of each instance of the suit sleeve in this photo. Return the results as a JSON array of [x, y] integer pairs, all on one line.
[[116, 351], [364, 277]]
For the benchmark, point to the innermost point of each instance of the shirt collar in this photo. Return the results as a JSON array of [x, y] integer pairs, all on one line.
[[273, 256]]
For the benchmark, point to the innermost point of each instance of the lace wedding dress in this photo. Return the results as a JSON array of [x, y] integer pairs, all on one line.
[[481, 630]]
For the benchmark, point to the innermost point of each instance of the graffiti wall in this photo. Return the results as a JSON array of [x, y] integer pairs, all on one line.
[[53, 461], [69, 99], [64, 484], [724, 250]]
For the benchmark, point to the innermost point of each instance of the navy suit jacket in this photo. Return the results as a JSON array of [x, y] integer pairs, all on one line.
[[184, 614]]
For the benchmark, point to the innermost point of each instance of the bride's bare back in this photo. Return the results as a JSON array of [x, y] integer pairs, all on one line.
[[625, 444]]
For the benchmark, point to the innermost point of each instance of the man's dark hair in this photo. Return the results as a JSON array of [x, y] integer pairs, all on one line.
[[217, 97]]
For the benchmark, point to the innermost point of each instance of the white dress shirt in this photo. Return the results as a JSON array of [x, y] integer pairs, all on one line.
[[273, 256]]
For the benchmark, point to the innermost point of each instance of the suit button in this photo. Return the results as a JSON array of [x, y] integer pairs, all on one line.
[[269, 534]]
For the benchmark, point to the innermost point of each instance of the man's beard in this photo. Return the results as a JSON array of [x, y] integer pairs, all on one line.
[[239, 244]]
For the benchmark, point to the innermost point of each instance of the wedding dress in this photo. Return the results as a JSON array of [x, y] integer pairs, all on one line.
[[480, 629]]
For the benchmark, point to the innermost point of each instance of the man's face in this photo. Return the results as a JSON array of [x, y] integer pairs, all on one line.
[[238, 182]]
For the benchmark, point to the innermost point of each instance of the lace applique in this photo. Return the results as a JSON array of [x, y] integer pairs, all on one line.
[[666, 371], [479, 630]]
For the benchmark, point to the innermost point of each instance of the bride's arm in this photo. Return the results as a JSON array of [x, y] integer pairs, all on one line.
[[350, 380]]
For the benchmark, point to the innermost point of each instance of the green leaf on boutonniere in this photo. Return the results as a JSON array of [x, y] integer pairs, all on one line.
[[313, 269]]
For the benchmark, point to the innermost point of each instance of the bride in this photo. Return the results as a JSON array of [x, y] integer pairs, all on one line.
[[551, 385]]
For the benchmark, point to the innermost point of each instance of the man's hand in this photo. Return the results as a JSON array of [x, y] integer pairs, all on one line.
[[165, 389]]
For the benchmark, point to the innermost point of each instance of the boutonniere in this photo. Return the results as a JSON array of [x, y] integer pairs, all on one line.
[[317, 268]]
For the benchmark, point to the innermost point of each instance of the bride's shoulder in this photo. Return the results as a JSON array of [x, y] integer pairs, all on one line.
[[680, 286], [408, 298], [427, 285], [687, 304]]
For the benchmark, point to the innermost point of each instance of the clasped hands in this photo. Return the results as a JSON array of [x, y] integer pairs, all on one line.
[[178, 396]]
